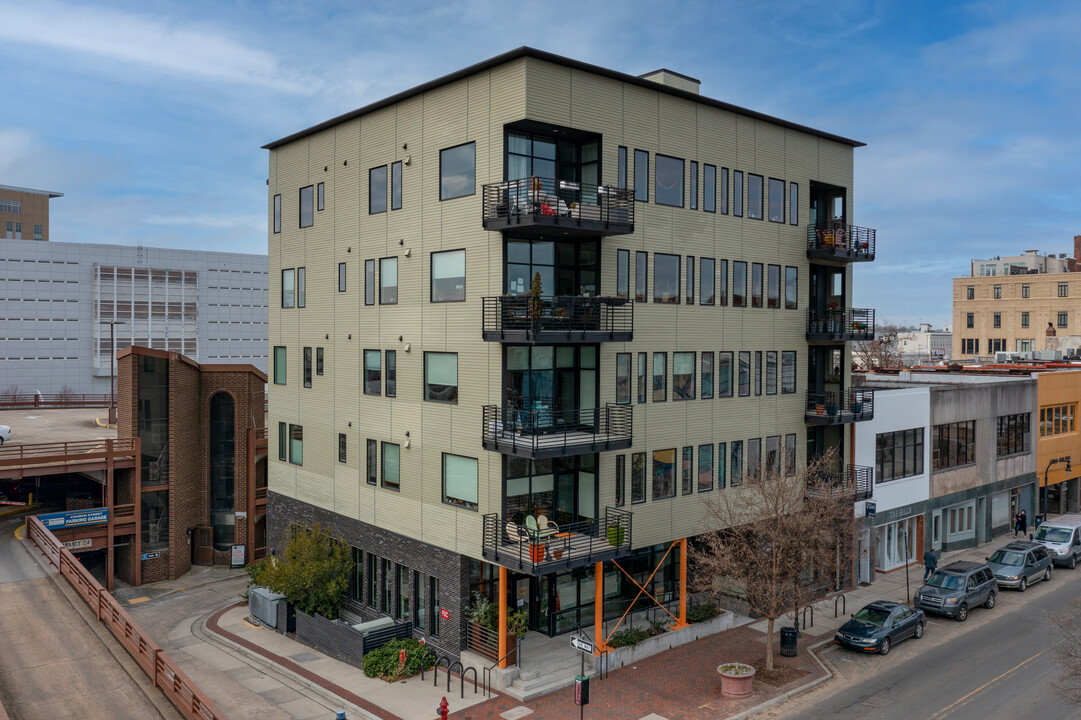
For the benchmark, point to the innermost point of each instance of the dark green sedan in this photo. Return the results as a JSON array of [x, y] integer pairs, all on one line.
[[879, 626]]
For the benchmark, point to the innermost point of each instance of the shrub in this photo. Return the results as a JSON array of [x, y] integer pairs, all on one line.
[[312, 572], [702, 612], [384, 662], [657, 627], [627, 637]]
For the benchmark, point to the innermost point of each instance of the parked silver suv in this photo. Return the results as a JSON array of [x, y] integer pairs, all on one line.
[[956, 588]]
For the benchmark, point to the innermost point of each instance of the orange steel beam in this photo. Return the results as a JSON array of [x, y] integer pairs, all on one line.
[[682, 622], [641, 590], [502, 617], [598, 606]]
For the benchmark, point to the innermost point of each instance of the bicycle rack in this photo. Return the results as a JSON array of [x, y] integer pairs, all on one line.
[[812, 609], [461, 674], [844, 610], [435, 671], [427, 651], [466, 672]]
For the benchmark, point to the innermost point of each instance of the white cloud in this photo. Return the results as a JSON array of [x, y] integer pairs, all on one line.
[[211, 221]]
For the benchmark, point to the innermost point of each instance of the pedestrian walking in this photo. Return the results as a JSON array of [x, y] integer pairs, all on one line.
[[1024, 522], [930, 562]]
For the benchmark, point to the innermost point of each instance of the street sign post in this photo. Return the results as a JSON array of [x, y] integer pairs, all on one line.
[[582, 645]]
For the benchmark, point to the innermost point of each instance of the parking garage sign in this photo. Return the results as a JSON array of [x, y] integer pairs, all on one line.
[[74, 518]]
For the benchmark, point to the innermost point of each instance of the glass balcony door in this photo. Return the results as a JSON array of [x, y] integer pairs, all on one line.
[[565, 268]]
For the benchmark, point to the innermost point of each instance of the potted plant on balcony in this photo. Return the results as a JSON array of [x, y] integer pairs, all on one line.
[[616, 533], [857, 404], [736, 679], [535, 290], [831, 409]]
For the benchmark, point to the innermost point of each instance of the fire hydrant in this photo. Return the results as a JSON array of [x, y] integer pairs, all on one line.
[[443, 709]]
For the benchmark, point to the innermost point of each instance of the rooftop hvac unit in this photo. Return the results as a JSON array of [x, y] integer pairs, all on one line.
[[263, 604], [1006, 357], [1047, 354]]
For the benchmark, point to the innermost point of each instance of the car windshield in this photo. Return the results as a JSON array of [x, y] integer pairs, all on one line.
[[950, 582], [1053, 534], [1008, 557], [872, 616]]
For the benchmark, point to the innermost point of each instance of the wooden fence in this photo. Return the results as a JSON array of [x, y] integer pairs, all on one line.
[[162, 670]]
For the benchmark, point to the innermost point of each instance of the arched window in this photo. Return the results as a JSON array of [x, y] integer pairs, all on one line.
[[222, 469]]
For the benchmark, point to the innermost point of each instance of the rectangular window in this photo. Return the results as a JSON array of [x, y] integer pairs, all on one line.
[[898, 454], [1057, 420], [689, 280], [642, 361], [1024, 291], [707, 376], [388, 281], [638, 478], [396, 186], [722, 466], [306, 213], [1063, 319], [341, 277], [953, 444], [391, 458], [756, 285], [341, 447], [392, 373], [660, 377], [420, 615], [319, 361], [790, 454], [1063, 289], [724, 374], [722, 290], [1013, 434], [773, 456], [788, 371], [664, 474], [998, 292], [369, 282], [737, 193], [1024, 319], [666, 278], [707, 282], [289, 288], [776, 200], [279, 365], [356, 581], [771, 372], [307, 367], [773, 286], [621, 480], [736, 475], [694, 185], [724, 191], [641, 272], [448, 276], [753, 461], [683, 376], [970, 320], [687, 472], [441, 377], [373, 378], [621, 168], [623, 378], [791, 287], [387, 603], [623, 273], [296, 444], [277, 214], [739, 284], [320, 197], [709, 189], [372, 461], [997, 320], [641, 176], [433, 587], [283, 441], [460, 481], [404, 609], [757, 372], [458, 171], [301, 287], [971, 292], [793, 206], [373, 574], [744, 373], [705, 468]]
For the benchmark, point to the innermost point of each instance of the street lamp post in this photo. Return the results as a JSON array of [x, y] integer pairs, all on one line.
[[1043, 493], [112, 368]]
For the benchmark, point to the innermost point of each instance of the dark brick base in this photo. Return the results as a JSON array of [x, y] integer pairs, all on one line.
[[447, 566]]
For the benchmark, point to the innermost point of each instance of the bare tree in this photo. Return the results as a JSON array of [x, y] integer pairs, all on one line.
[[884, 351], [9, 392], [783, 542], [1068, 624]]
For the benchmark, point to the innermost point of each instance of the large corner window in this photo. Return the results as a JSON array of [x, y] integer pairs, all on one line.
[[307, 213], [388, 281], [377, 190], [441, 377], [460, 481], [458, 171], [669, 176], [448, 276]]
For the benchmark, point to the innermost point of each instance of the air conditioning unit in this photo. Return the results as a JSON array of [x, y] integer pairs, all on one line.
[[263, 605], [1047, 355], [1006, 357]]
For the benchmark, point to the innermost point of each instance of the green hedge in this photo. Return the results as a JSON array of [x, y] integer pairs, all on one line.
[[627, 637], [384, 663]]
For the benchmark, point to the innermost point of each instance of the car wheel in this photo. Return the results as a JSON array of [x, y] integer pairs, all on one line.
[[1073, 562], [885, 647], [990, 601], [1023, 585], [1047, 573], [962, 613], [919, 631]]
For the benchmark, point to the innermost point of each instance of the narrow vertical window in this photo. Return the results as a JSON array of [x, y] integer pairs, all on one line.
[[642, 377], [369, 282], [754, 196], [694, 185], [722, 467], [319, 197], [341, 447], [641, 176], [306, 214], [753, 460], [736, 476], [621, 170], [773, 286], [341, 277], [724, 191], [707, 376], [771, 372], [623, 378], [788, 371], [396, 186], [433, 587], [757, 372], [283, 441], [744, 373], [623, 273], [377, 190], [660, 377], [689, 290], [793, 204], [372, 461], [724, 374], [707, 282], [687, 471], [301, 287], [641, 270], [683, 376], [737, 193], [790, 453], [372, 372], [390, 477], [776, 200], [279, 365], [319, 361], [289, 297], [739, 284], [420, 615], [756, 285], [638, 478], [388, 281], [392, 373], [722, 290], [307, 367], [296, 444], [791, 287], [621, 480], [666, 278], [705, 468], [277, 213], [709, 188]]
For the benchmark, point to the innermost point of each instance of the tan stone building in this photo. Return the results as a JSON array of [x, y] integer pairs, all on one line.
[[528, 318], [24, 213]]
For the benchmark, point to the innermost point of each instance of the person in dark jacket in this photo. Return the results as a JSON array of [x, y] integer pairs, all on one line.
[[930, 562], [1023, 522]]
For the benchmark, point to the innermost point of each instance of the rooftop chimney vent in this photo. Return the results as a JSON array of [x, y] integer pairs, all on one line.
[[673, 79]]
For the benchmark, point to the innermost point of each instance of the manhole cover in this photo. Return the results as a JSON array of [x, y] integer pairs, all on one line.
[[304, 657]]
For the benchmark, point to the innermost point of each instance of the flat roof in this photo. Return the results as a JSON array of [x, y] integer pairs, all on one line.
[[526, 51], [32, 191], [34, 425]]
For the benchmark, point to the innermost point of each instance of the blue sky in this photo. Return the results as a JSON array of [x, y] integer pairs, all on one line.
[[149, 115]]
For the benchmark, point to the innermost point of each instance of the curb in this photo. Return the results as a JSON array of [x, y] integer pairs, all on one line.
[[784, 697], [19, 510], [100, 424]]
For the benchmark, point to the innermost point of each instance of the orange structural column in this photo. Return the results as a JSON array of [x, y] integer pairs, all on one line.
[[502, 628], [598, 606], [682, 584]]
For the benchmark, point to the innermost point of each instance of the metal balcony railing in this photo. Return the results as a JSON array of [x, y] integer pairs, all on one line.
[[561, 319], [544, 432], [544, 203], [840, 324], [555, 548], [839, 242], [854, 480], [835, 408]]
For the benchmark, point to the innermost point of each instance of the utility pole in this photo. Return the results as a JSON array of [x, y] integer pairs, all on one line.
[[112, 368]]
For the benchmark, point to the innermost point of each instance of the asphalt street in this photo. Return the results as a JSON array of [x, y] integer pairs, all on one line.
[[16, 565], [998, 664]]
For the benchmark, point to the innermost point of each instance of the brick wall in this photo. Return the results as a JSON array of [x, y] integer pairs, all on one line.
[[187, 462], [450, 568]]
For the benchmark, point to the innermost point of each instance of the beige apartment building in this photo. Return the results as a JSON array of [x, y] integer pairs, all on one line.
[[528, 318], [24, 213], [1021, 304]]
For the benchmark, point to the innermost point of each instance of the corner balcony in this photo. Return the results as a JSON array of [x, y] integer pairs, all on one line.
[[840, 325], [538, 551], [856, 481], [546, 207], [832, 408], [544, 432], [839, 243], [558, 320]]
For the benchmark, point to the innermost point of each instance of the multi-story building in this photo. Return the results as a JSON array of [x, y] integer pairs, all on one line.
[[925, 345], [24, 213], [1019, 304], [63, 306], [530, 317]]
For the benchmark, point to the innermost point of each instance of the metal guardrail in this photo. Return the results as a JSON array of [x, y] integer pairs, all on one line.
[[564, 203], [841, 324], [834, 408], [165, 674], [838, 241], [52, 452], [854, 480], [564, 318], [545, 432], [568, 546], [55, 400]]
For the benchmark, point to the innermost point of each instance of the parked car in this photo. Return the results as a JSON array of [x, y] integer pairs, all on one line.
[[879, 626], [1062, 538], [955, 589], [5, 433], [1020, 563]]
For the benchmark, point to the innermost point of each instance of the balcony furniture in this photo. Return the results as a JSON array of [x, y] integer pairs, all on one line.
[[534, 206], [855, 405], [840, 243], [575, 545]]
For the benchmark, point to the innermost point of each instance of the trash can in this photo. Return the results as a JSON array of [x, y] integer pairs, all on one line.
[[788, 641]]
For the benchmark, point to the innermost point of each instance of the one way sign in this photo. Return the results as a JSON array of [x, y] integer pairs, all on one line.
[[582, 644]]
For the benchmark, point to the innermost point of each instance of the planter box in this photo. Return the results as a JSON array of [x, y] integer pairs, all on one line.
[[737, 685], [657, 644], [341, 640]]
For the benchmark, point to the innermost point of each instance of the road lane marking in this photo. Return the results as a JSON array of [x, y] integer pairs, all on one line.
[[944, 711], [19, 529]]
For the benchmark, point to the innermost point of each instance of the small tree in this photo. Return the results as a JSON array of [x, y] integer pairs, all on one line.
[[884, 351], [776, 535], [535, 290], [9, 392], [312, 572], [1068, 624]]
